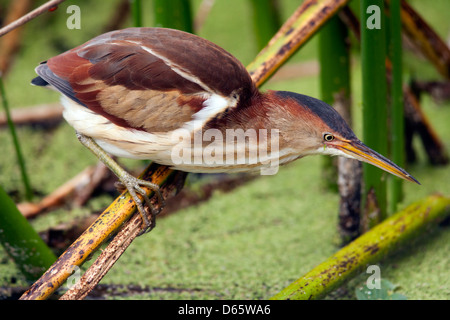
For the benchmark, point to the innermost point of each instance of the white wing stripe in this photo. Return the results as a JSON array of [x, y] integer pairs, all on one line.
[[176, 68]]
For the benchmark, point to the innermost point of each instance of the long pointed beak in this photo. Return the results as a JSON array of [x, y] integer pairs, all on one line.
[[361, 152]]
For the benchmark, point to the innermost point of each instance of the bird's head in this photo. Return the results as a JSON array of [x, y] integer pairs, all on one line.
[[316, 128]]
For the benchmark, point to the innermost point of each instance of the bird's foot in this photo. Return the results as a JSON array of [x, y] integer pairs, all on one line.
[[132, 184], [134, 187]]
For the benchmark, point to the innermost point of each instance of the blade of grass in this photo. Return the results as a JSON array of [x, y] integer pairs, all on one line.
[[372, 246], [22, 243], [17, 148]]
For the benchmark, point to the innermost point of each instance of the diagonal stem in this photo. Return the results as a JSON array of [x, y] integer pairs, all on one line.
[[111, 220], [105, 261], [369, 248]]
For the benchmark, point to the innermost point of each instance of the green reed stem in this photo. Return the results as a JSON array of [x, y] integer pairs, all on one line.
[[175, 14], [334, 76], [136, 12], [374, 91]]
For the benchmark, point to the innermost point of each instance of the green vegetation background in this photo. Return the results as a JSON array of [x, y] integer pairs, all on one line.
[[252, 242]]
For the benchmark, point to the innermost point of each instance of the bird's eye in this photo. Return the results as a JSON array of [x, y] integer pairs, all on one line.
[[328, 137]]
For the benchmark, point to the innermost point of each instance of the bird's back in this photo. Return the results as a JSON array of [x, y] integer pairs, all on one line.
[[142, 77]]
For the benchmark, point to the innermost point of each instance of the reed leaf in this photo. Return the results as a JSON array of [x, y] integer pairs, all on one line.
[[22, 243]]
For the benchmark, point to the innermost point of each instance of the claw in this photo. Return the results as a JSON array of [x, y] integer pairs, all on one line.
[[133, 185], [120, 186]]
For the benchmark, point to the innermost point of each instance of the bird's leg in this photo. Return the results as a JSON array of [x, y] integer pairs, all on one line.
[[132, 184]]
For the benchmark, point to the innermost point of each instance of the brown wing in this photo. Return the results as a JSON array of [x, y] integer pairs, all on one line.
[[151, 79]]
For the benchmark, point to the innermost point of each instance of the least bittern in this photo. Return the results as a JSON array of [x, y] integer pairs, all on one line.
[[142, 93]]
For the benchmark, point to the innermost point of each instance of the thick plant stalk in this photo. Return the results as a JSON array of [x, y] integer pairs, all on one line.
[[334, 77], [369, 248], [373, 59], [334, 60], [294, 33], [415, 119], [22, 243]]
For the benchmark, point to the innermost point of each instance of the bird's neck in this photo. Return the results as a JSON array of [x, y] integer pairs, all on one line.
[[263, 111]]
